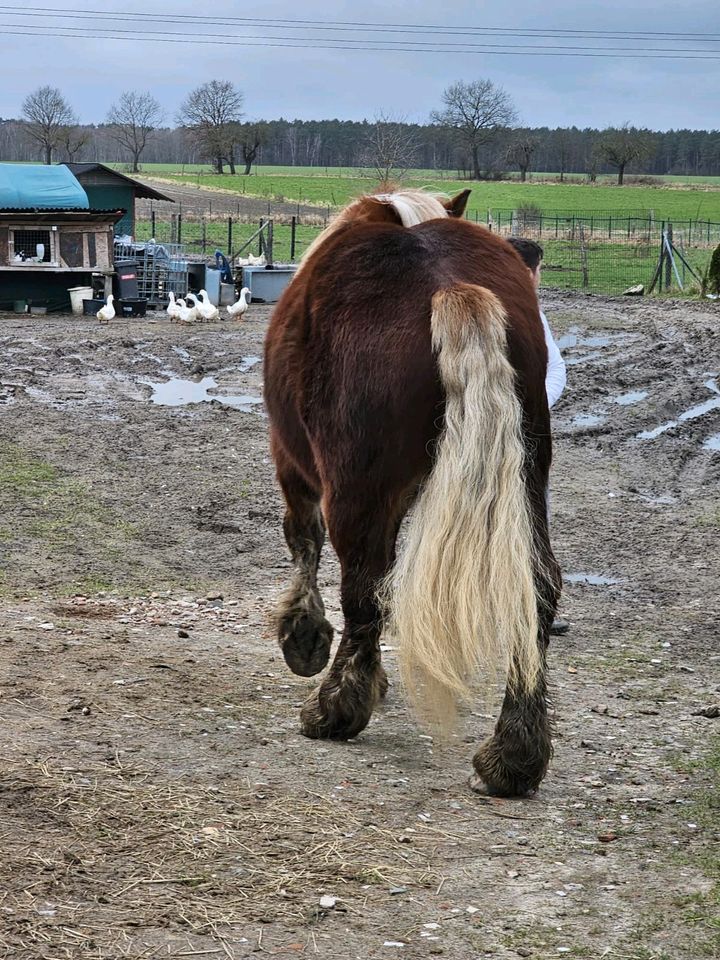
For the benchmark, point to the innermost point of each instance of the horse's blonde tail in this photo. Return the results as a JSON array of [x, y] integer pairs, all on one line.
[[462, 598]]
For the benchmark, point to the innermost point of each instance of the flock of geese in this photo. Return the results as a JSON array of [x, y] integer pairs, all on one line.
[[200, 310], [192, 309]]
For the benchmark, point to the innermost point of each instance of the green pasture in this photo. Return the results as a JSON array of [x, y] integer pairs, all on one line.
[[353, 173], [680, 202]]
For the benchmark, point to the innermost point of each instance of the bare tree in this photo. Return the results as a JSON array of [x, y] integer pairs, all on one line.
[[390, 148], [562, 146], [47, 114], [520, 151], [252, 137], [623, 146], [212, 114], [73, 139], [477, 111], [132, 120]]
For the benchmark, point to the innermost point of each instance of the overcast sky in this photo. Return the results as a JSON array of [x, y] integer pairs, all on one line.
[[314, 84]]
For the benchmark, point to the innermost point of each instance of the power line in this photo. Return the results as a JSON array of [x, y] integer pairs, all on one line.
[[379, 44], [365, 26], [140, 36], [388, 44]]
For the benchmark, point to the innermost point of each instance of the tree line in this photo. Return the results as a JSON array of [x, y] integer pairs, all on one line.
[[474, 133]]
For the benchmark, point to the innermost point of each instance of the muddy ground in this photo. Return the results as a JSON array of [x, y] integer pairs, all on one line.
[[156, 798]]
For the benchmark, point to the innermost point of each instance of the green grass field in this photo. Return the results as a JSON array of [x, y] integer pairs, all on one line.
[[676, 200], [192, 169], [608, 267]]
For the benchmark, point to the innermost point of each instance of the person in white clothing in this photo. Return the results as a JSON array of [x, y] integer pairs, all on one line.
[[556, 375]]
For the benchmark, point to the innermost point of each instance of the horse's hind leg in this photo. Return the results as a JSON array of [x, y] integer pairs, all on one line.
[[303, 632], [343, 703], [514, 760]]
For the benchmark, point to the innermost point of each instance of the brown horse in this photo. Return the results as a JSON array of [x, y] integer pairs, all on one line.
[[405, 364]]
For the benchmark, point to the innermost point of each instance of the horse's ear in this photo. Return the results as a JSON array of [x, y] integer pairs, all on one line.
[[456, 205]]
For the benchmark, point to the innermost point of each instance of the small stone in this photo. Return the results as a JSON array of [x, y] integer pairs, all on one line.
[[183, 634], [85, 711], [327, 902], [396, 891], [607, 837], [711, 713]]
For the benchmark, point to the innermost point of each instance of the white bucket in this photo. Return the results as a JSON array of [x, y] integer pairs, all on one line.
[[77, 295]]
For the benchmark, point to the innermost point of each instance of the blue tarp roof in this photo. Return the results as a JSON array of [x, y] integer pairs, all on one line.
[[29, 185]]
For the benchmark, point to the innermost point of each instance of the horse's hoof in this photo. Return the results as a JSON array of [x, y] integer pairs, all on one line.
[[482, 789], [319, 723], [494, 777], [305, 643]]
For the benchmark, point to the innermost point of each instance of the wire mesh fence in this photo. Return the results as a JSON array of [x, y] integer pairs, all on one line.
[[600, 253], [202, 236]]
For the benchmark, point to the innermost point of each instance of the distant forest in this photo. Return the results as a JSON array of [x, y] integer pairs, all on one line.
[[343, 143]]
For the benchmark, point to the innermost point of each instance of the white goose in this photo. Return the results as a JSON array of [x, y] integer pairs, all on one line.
[[195, 314], [184, 312], [107, 312], [173, 310], [207, 310], [238, 308]]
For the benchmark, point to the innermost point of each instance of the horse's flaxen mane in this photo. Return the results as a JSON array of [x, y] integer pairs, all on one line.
[[411, 207]]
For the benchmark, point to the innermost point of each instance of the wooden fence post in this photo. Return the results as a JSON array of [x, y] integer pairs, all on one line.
[[269, 245], [668, 262], [293, 226]]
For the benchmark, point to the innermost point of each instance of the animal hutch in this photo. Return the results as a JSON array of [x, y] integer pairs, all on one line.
[[50, 239], [107, 189]]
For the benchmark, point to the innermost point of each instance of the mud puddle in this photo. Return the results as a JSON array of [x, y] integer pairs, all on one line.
[[588, 420], [181, 393], [628, 399], [699, 410], [593, 579]]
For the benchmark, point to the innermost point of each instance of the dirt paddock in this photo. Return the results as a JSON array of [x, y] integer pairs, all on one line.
[[156, 798]]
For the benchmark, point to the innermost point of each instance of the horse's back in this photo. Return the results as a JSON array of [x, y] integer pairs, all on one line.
[[349, 360]]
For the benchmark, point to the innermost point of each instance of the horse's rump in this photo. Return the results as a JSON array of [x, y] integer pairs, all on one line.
[[349, 357]]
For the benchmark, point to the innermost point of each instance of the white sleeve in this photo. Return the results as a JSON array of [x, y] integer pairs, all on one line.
[[556, 376]]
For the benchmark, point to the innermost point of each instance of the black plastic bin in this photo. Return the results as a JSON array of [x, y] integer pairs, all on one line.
[[91, 307], [132, 307], [126, 279]]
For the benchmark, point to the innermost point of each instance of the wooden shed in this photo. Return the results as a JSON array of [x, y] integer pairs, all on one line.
[[50, 239], [107, 189]]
